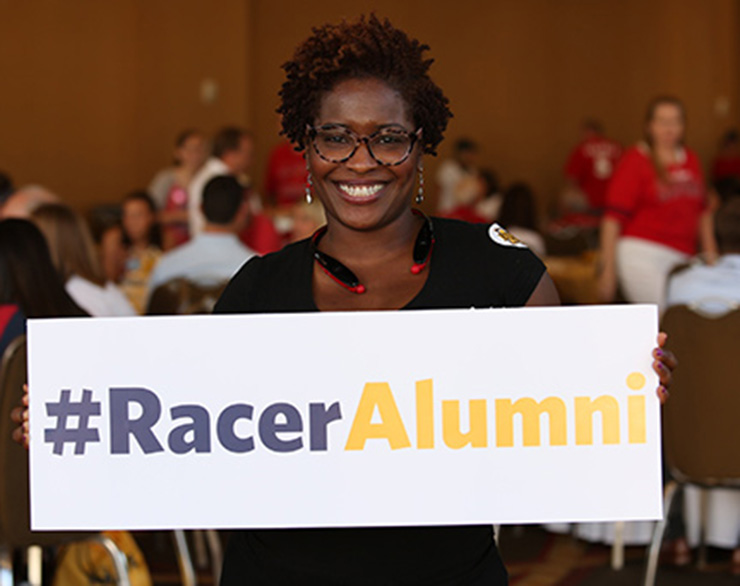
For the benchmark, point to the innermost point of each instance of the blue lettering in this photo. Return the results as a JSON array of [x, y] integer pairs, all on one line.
[[320, 418], [121, 426], [269, 428], [225, 428], [199, 426]]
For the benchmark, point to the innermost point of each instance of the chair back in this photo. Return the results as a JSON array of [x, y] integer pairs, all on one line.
[[701, 421], [183, 297], [15, 529]]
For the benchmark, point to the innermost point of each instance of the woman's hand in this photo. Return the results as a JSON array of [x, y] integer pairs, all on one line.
[[663, 365], [19, 415]]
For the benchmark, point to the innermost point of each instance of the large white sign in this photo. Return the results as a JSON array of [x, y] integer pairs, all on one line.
[[345, 419]]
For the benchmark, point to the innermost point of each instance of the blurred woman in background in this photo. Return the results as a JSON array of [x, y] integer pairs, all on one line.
[[656, 210], [518, 215], [73, 255], [169, 188], [307, 218], [29, 283], [131, 251]]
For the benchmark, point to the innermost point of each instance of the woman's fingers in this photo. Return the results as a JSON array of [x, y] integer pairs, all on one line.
[[19, 415], [664, 364], [20, 434]]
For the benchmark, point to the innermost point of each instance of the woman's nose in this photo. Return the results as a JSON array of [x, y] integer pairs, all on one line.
[[362, 159]]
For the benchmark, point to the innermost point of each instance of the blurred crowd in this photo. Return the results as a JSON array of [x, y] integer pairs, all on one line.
[[644, 208]]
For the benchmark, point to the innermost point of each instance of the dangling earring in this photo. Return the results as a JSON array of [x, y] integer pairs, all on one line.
[[309, 184], [420, 194]]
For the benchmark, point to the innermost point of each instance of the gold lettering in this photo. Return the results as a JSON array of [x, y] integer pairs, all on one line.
[[424, 415], [585, 409], [531, 411], [476, 436], [392, 429]]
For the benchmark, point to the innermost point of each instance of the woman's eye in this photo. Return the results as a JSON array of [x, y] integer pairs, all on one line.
[[391, 139], [335, 138]]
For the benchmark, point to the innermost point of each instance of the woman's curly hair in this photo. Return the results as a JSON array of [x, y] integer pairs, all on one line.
[[367, 48]]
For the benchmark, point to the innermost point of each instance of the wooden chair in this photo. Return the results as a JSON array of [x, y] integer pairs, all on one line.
[[183, 297], [701, 430], [15, 531]]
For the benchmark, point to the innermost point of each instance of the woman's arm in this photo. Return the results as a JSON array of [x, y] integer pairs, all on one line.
[[610, 229], [707, 241], [544, 293]]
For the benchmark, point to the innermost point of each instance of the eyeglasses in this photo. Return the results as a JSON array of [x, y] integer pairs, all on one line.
[[387, 146]]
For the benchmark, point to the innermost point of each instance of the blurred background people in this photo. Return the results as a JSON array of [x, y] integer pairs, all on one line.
[[589, 169], [231, 155], [22, 202], [131, 250], [29, 284], [656, 210], [477, 198], [519, 217], [6, 189], [306, 219], [285, 176], [75, 259], [727, 162], [713, 288], [214, 255], [285, 183], [489, 206], [169, 188], [456, 176]]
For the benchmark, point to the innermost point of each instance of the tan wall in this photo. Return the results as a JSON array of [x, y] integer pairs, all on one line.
[[180, 44], [94, 92], [67, 98]]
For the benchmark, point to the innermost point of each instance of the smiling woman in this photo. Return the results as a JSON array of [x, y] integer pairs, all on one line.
[[359, 101]]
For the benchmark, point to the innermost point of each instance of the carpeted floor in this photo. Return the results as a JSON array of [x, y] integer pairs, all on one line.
[[535, 557]]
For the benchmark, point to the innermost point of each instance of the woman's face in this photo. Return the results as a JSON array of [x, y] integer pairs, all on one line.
[[137, 220], [360, 193], [666, 127], [192, 154]]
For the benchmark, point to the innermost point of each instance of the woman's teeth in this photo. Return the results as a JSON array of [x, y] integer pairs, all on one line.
[[360, 190]]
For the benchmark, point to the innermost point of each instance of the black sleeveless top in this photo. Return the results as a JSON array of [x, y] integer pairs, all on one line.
[[469, 267]]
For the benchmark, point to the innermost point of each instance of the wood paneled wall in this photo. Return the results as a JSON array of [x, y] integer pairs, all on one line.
[[93, 92]]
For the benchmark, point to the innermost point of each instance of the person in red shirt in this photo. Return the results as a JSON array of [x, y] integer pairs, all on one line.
[[285, 182], [727, 162], [656, 210], [591, 164]]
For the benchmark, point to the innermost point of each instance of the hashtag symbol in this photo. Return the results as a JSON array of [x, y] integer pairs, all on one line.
[[64, 433]]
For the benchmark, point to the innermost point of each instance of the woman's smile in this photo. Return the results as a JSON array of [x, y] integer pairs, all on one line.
[[360, 193]]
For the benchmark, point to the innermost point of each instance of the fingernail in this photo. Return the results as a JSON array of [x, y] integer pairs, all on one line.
[[659, 353], [659, 365], [663, 391]]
